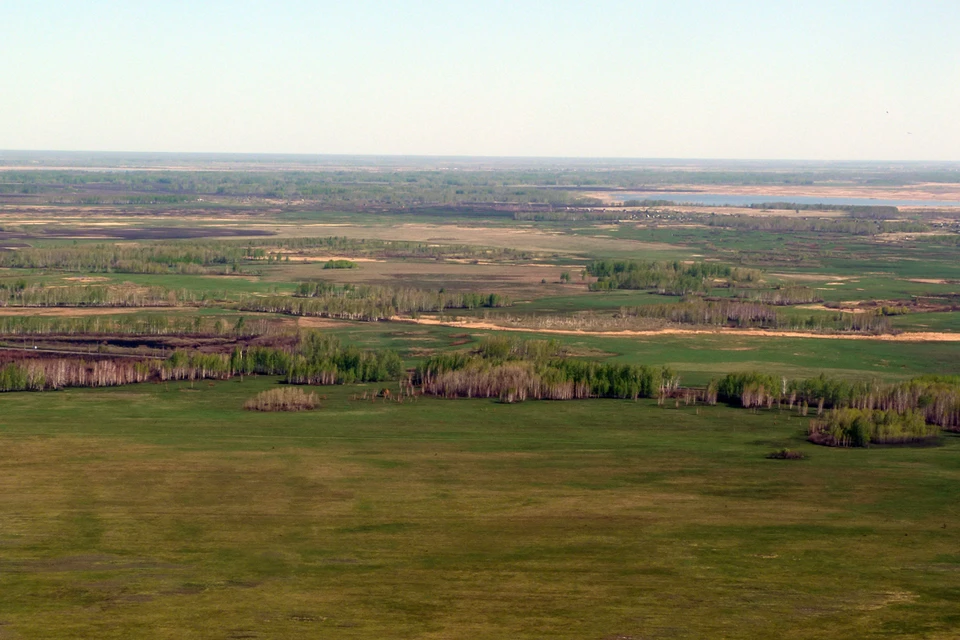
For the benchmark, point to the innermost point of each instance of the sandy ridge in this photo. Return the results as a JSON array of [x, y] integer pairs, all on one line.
[[918, 336]]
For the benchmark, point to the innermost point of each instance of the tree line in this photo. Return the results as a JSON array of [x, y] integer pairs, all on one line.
[[783, 224], [224, 257], [937, 398], [782, 295], [671, 278], [126, 294], [861, 427], [139, 325], [315, 360], [367, 302], [741, 314], [515, 371]]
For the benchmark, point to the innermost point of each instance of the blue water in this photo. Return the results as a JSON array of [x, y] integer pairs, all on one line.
[[726, 199]]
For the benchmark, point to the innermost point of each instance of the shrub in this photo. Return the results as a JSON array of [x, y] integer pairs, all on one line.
[[786, 454], [285, 399], [340, 264]]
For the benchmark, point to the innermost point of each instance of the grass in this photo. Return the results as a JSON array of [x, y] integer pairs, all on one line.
[[697, 358], [168, 511]]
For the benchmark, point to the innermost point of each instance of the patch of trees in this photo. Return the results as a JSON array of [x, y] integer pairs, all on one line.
[[315, 360], [182, 258], [58, 373], [225, 257], [936, 398], [340, 264], [283, 399], [138, 325], [861, 427], [367, 302], [741, 314], [725, 313], [877, 212], [670, 278], [122, 295], [260, 249], [515, 371], [783, 295], [848, 226]]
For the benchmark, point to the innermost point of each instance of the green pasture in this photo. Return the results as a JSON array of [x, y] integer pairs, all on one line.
[[166, 511], [698, 358]]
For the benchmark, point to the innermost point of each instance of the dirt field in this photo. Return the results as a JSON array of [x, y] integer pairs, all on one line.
[[80, 311]]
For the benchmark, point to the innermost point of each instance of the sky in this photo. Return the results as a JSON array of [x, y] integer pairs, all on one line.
[[814, 80]]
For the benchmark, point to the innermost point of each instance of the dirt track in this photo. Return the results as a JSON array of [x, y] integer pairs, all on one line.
[[926, 336]]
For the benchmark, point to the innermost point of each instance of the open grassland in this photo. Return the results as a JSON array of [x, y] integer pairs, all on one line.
[[168, 511]]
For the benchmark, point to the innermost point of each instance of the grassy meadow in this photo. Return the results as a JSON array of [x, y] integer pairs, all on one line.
[[165, 510]]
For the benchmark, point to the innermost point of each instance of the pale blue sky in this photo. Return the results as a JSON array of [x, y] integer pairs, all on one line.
[[843, 79]]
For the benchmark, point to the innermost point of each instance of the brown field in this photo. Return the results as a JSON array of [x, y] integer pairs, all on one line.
[[515, 279], [122, 232], [78, 311], [525, 238]]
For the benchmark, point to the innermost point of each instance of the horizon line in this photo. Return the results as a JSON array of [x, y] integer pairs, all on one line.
[[461, 157]]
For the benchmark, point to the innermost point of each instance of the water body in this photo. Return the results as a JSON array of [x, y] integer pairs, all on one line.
[[732, 200]]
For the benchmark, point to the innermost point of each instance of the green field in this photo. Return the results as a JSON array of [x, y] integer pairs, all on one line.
[[167, 511]]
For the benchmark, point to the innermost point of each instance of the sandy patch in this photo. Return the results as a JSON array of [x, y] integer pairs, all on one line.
[[328, 258], [813, 277], [820, 307], [908, 235], [307, 322], [926, 336]]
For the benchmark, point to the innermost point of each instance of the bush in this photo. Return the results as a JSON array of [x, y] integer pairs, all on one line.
[[340, 264], [285, 399], [786, 454]]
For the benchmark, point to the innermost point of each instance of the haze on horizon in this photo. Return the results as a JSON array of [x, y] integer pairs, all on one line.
[[684, 79]]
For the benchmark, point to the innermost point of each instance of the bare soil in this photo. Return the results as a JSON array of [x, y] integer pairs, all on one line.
[[67, 312], [106, 232]]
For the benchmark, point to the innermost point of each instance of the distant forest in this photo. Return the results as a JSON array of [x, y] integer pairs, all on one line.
[[398, 187]]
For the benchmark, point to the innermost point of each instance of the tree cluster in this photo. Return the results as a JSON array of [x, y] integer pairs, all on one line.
[[936, 398], [514, 371], [283, 399], [861, 427], [670, 278], [367, 302]]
